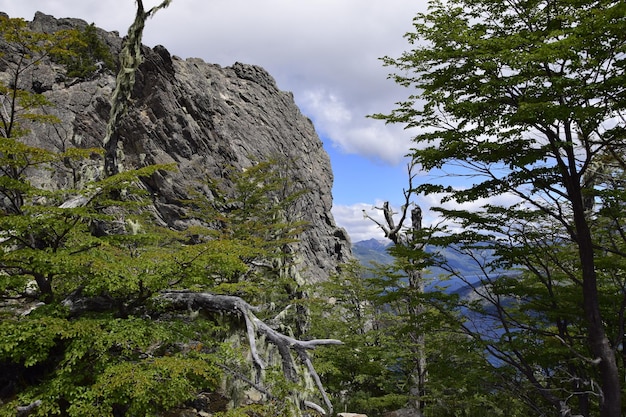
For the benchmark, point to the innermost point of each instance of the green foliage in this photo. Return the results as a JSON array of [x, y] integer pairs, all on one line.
[[106, 359], [81, 51], [23, 50], [364, 373], [81, 268], [522, 101], [370, 310], [88, 54], [258, 206], [103, 363]]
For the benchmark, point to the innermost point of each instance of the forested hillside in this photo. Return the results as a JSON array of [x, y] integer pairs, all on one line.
[[518, 110], [518, 113], [167, 246]]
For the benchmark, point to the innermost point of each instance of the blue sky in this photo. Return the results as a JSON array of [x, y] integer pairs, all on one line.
[[324, 51], [358, 178]]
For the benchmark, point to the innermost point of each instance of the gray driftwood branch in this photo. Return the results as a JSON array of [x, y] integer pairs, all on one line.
[[23, 411], [233, 305], [392, 230]]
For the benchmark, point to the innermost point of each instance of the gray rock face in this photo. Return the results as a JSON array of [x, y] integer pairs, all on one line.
[[204, 118]]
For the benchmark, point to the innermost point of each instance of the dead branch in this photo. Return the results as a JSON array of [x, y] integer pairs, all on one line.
[[391, 230], [315, 407], [25, 410], [248, 381], [130, 59], [236, 306]]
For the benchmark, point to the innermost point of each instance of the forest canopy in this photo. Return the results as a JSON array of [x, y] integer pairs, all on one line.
[[526, 100], [104, 310]]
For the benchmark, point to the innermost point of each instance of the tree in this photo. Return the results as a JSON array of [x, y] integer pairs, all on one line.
[[408, 251], [363, 374], [371, 310], [525, 99], [89, 55], [104, 309], [130, 59], [22, 51]]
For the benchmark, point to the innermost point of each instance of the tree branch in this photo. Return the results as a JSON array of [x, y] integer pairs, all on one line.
[[27, 409], [237, 306], [391, 230]]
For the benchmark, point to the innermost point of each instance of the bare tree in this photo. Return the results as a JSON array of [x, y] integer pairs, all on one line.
[[408, 237]]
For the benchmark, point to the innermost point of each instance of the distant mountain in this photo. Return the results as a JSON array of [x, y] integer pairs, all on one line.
[[373, 244], [372, 250], [375, 250]]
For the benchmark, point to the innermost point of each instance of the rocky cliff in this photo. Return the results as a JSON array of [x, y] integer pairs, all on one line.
[[202, 117]]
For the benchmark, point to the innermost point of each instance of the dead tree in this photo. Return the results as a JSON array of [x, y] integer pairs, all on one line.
[[184, 300], [402, 235]]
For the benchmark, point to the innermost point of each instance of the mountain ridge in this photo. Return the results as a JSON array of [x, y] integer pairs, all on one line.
[[376, 251]]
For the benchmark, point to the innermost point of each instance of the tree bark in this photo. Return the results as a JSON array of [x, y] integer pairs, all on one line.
[[416, 308], [610, 401]]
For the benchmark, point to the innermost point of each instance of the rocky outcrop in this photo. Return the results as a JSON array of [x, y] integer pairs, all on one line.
[[204, 118]]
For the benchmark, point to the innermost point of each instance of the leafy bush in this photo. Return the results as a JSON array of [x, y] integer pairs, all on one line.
[[86, 53]]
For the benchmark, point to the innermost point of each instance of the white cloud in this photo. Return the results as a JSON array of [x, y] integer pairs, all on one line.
[[376, 141], [432, 218], [353, 133], [330, 110], [352, 219]]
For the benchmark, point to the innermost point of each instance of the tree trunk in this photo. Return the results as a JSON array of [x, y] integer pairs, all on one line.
[[418, 377], [416, 287], [610, 401], [416, 308]]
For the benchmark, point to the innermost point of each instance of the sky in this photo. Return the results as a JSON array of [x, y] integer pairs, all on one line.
[[327, 52]]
